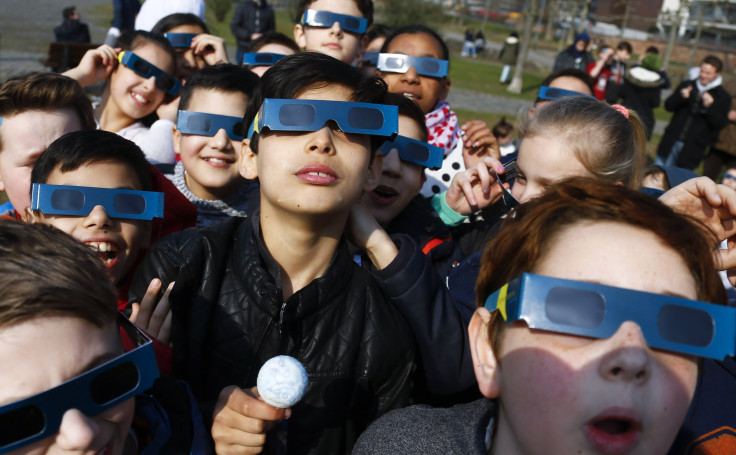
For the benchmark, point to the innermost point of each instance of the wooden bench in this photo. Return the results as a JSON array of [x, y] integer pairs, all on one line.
[[65, 55]]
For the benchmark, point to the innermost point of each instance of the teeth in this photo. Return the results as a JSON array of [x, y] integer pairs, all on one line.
[[140, 98], [215, 160], [101, 246], [320, 174], [410, 96]]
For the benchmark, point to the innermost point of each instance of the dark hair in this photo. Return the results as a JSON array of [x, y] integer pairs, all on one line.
[[45, 92], [131, 40], [410, 109], [295, 73], [46, 272], [377, 31], [224, 77], [502, 128], [652, 50], [68, 12], [570, 72], [525, 238], [713, 61], [273, 38], [166, 23], [365, 7], [74, 150], [412, 29], [610, 146], [625, 46]]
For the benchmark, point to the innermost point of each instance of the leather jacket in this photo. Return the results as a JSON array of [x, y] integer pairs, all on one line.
[[229, 317]]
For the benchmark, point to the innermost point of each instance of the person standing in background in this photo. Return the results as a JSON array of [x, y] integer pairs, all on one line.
[[252, 19], [509, 53], [71, 29], [123, 19], [153, 11]]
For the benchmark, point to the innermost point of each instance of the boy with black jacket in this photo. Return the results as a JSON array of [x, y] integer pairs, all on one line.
[[282, 282]]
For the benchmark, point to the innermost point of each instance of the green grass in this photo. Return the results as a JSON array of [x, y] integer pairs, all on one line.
[[482, 75]]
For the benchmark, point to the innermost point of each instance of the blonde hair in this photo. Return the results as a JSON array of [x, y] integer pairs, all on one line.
[[608, 144]]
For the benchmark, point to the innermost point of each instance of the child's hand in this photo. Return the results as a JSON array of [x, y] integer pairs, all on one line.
[[478, 142], [365, 233], [211, 48], [474, 188], [169, 111], [154, 319], [241, 421], [96, 65]]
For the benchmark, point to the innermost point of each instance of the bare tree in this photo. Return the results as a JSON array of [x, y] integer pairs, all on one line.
[[518, 79]]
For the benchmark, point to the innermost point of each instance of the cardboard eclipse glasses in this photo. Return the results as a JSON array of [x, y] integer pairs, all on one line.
[[92, 392], [203, 124], [145, 69], [324, 19], [596, 311], [81, 200], [312, 115], [400, 63], [414, 151]]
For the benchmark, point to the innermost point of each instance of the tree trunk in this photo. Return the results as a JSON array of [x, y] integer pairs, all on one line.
[[698, 32], [518, 81], [549, 32]]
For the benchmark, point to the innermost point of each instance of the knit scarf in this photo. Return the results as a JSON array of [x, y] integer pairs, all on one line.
[[442, 127]]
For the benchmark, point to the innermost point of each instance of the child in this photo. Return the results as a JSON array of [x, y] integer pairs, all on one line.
[[35, 109], [207, 139], [97, 159], [333, 27], [282, 281], [424, 80], [267, 50], [556, 384], [139, 73], [374, 39], [195, 47], [59, 331], [504, 133]]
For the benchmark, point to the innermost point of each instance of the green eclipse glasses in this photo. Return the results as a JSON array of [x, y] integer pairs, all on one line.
[[554, 93], [415, 151], [202, 124], [596, 311], [424, 66], [80, 200], [144, 69], [324, 19], [179, 40], [92, 392], [312, 115]]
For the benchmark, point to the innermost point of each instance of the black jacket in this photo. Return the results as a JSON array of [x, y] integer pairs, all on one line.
[[251, 17], [694, 124], [71, 30], [643, 96], [229, 317]]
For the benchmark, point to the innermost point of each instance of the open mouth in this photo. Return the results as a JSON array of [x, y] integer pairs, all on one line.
[[384, 195], [140, 99], [107, 252], [411, 96], [614, 435], [218, 161]]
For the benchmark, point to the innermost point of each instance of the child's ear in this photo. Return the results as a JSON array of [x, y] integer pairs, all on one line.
[[248, 161], [374, 172], [445, 88], [176, 134], [484, 357], [299, 37]]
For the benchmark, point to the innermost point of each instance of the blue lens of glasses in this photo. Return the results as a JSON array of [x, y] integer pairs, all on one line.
[[178, 40], [297, 115], [685, 325], [67, 199], [575, 307], [131, 204]]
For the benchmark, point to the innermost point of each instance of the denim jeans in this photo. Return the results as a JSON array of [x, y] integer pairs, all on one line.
[[671, 159]]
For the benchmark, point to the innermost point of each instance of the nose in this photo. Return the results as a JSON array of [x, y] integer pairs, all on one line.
[[98, 217], [150, 83], [186, 59], [391, 164], [320, 141], [77, 432], [629, 358], [411, 76], [220, 140], [336, 29]]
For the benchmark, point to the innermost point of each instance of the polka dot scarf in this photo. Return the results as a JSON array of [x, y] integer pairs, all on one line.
[[442, 126]]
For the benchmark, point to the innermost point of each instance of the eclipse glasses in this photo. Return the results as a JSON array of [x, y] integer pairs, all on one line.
[[596, 311], [324, 19], [80, 200], [145, 69]]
